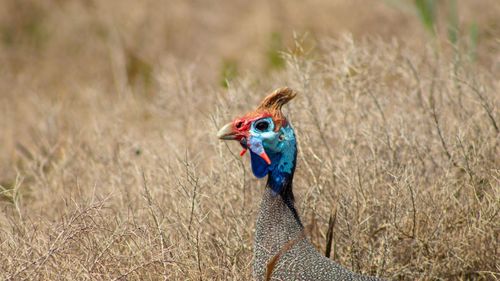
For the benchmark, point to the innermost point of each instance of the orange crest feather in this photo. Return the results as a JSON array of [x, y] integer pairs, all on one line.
[[273, 103]]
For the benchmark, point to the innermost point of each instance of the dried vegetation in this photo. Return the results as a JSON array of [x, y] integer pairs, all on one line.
[[110, 168]]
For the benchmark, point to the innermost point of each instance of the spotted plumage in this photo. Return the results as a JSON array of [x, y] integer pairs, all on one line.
[[281, 248]]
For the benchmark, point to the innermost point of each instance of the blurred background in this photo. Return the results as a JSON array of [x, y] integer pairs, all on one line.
[[98, 98], [63, 43]]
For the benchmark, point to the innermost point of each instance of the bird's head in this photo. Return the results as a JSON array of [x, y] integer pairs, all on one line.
[[269, 137]]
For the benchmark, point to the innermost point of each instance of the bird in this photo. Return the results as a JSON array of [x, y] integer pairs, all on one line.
[[281, 248]]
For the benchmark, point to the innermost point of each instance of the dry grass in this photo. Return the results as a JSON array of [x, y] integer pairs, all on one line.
[[110, 168]]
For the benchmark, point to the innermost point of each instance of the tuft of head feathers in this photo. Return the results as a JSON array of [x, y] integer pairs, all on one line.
[[273, 103]]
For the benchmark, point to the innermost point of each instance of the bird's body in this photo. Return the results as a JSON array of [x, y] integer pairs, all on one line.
[[279, 235], [281, 249]]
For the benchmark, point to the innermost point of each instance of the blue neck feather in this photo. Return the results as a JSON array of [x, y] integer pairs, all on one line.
[[282, 166]]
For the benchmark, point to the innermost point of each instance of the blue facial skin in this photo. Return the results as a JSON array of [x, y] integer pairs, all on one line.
[[280, 146]]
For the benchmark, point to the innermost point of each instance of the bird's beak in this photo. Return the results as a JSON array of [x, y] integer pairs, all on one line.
[[227, 132]]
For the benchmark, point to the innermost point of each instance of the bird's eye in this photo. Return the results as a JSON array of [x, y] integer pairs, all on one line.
[[262, 126]]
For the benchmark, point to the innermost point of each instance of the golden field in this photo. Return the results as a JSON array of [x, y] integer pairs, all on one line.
[[110, 168]]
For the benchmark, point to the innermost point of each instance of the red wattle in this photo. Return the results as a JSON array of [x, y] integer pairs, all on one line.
[[243, 152], [264, 156]]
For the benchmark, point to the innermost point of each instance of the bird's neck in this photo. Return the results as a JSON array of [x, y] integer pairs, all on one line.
[[281, 183], [278, 200], [278, 217], [278, 222], [282, 168]]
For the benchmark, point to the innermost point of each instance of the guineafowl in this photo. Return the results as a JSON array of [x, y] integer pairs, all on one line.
[[281, 250]]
